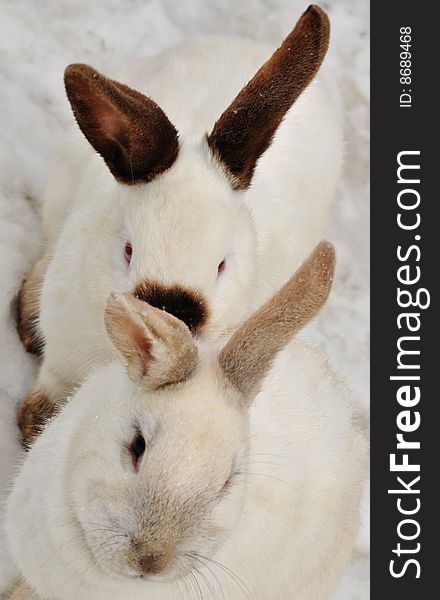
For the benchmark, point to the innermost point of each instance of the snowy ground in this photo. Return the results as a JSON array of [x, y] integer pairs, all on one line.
[[39, 38]]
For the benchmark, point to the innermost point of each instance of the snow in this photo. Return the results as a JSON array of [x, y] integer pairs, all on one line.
[[38, 39]]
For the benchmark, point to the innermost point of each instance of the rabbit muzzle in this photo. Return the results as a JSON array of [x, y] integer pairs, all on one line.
[[148, 562]]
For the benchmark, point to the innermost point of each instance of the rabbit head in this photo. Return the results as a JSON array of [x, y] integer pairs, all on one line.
[[144, 470], [187, 241]]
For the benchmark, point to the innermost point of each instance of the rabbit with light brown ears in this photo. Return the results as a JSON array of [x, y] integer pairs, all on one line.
[[177, 472], [204, 225]]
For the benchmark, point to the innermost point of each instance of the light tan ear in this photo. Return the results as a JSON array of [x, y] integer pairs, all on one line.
[[245, 130], [129, 130], [157, 348], [248, 355]]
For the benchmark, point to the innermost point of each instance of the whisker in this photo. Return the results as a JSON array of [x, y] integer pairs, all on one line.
[[234, 577], [197, 558]]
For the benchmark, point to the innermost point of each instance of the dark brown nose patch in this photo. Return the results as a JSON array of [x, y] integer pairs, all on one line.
[[185, 304]]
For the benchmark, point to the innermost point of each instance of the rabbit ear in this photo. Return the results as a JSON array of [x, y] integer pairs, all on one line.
[[247, 356], [130, 131], [157, 348], [245, 130]]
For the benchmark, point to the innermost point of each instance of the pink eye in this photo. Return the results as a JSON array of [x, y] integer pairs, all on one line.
[[221, 267], [128, 251]]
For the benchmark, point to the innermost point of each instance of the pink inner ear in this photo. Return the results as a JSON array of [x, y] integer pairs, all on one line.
[[108, 126], [110, 123], [129, 334], [142, 347]]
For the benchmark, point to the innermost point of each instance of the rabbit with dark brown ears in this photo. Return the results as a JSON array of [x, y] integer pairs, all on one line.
[[205, 226]]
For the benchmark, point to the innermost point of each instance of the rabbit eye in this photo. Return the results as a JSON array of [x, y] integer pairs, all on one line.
[[137, 449], [221, 267], [128, 251], [229, 482]]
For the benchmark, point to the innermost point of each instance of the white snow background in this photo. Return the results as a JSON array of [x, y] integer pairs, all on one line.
[[38, 38]]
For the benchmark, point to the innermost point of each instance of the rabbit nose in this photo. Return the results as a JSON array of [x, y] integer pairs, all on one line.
[[147, 561], [187, 305], [152, 564]]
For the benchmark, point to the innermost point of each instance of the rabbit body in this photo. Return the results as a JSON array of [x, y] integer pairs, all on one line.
[[181, 468], [183, 224], [302, 474]]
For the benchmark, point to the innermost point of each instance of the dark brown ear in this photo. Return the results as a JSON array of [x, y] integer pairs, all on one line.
[[245, 130], [157, 348], [247, 356], [130, 131]]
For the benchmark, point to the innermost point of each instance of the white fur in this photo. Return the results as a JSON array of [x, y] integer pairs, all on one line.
[[285, 529], [185, 222]]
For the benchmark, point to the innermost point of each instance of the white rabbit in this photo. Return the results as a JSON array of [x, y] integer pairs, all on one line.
[[180, 473], [23, 592], [174, 220]]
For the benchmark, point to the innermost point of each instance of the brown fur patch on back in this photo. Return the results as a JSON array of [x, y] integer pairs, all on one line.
[[33, 414], [129, 130], [28, 308], [248, 355], [245, 130], [187, 305]]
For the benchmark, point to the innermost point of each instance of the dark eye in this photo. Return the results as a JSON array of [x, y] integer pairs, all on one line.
[[137, 449], [221, 267], [128, 251]]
